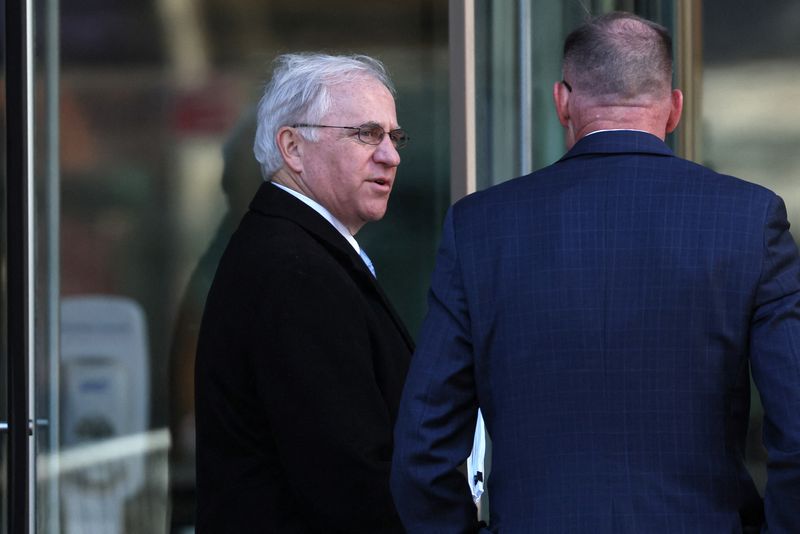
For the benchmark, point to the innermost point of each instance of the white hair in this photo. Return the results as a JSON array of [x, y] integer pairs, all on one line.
[[299, 93]]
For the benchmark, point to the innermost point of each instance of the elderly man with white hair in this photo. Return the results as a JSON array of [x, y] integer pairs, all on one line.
[[301, 357]]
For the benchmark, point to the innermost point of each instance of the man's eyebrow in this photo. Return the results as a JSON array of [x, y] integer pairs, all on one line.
[[375, 124]]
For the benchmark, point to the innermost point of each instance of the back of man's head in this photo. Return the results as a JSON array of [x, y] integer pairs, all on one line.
[[619, 57]]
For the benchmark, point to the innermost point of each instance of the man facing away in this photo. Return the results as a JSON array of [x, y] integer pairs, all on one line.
[[604, 313], [301, 358]]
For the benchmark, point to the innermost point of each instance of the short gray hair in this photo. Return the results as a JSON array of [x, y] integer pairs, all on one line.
[[620, 55], [299, 93]]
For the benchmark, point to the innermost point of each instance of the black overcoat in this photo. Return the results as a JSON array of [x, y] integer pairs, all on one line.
[[300, 365]]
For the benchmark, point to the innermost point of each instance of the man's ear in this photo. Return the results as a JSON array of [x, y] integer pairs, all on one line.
[[676, 108], [290, 143], [561, 100]]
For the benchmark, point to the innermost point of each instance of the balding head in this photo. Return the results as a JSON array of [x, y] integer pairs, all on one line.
[[619, 57], [617, 72]]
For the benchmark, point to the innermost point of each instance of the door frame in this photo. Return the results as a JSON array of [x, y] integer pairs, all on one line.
[[19, 211]]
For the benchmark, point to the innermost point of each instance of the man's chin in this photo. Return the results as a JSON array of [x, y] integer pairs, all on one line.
[[373, 216]]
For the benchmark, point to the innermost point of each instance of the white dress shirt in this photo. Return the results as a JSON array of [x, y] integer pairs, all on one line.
[[319, 208]]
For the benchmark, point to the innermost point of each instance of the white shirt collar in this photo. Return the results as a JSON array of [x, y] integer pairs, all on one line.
[[319, 208], [615, 130]]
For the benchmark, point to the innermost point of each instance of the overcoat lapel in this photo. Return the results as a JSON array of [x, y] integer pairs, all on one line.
[[274, 202]]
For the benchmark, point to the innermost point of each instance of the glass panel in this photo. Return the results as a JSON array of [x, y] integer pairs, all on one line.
[[156, 168], [500, 108], [751, 83], [46, 293]]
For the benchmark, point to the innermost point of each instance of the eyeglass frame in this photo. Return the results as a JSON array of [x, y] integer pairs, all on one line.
[[567, 85], [368, 126]]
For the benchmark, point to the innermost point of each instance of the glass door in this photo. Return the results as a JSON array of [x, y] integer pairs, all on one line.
[[128, 138], [29, 273], [518, 58]]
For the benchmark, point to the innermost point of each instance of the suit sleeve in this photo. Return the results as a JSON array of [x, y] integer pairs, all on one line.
[[438, 409], [775, 360], [331, 425]]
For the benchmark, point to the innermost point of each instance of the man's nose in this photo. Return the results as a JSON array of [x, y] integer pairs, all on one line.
[[386, 153]]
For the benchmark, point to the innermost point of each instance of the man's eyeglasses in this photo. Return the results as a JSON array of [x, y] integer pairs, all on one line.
[[568, 86], [370, 134]]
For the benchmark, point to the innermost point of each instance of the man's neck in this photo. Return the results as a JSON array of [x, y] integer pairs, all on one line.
[[290, 181], [641, 116]]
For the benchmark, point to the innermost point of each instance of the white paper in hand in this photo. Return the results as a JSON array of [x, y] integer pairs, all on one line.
[[475, 462]]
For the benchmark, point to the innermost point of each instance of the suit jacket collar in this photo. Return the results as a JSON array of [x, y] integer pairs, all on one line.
[[619, 142], [273, 202]]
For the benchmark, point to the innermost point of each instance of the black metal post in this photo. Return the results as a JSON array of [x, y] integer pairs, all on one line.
[[16, 39]]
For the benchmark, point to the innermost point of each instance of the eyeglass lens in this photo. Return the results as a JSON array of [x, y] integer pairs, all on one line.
[[373, 135]]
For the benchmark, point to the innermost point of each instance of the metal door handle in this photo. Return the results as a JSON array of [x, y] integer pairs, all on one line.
[[39, 422]]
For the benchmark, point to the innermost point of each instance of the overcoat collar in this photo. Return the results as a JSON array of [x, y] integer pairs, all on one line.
[[619, 142], [273, 202]]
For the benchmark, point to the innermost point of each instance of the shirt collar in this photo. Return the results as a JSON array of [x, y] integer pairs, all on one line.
[[319, 208], [615, 130]]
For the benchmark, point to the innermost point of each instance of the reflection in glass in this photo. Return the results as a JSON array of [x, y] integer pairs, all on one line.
[[156, 112]]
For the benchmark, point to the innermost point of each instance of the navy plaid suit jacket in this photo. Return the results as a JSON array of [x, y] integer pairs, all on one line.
[[604, 313]]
